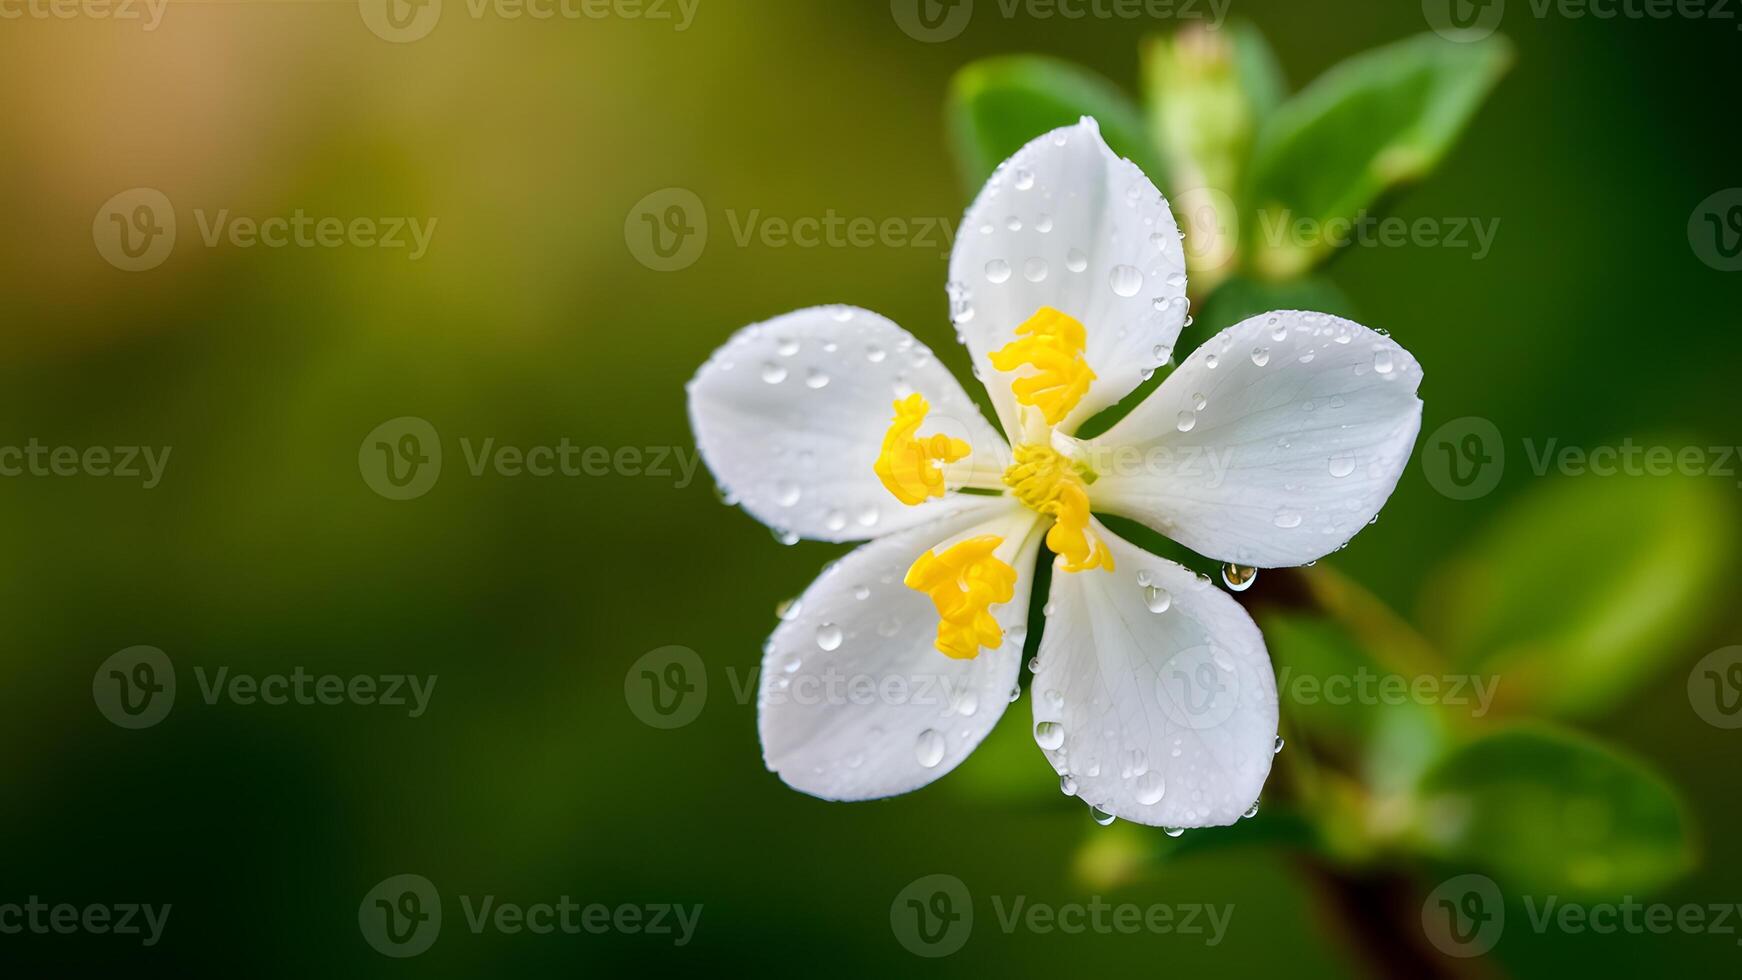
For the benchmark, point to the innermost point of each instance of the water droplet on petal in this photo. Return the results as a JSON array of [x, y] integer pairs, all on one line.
[[928, 749], [1049, 735], [829, 637], [1126, 280], [1239, 577], [1150, 788], [997, 272], [773, 373]]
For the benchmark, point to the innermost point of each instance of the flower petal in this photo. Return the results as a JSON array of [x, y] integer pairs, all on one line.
[[1066, 223], [790, 416], [857, 702], [1163, 718], [1272, 445]]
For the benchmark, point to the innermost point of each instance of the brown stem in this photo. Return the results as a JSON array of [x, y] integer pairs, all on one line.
[[1378, 916]]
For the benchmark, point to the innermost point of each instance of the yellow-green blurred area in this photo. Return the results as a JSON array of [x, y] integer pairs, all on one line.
[[1591, 321]]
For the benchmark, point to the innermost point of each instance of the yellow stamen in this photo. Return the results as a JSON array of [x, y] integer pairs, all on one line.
[[1053, 344], [1052, 485], [963, 582], [910, 465]]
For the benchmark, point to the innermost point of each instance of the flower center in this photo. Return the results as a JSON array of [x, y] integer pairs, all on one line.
[[1054, 486]]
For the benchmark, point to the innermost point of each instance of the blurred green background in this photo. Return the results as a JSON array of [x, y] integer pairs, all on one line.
[[530, 320]]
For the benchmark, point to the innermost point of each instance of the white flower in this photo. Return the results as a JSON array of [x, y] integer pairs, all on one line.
[[1153, 697]]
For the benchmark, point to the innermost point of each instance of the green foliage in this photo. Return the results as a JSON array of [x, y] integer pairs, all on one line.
[[1578, 592], [1240, 159], [1549, 811], [999, 105], [1378, 120]]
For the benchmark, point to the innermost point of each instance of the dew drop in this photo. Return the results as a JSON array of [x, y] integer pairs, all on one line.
[[1188, 420], [816, 379], [787, 494], [1158, 600], [997, 272], [1174, 831], [1049, 735], [1151, 787], [1288, 519], [1126, 280], [1384, 362], [829, 637], [1076, 261], [1100, 816], [1342, 466], [1068, 784], [773, 373], [928, 749], [1279, 743], [1260, 356], [1239, 577], [1024, 180], [1035, 270], [875, 354]]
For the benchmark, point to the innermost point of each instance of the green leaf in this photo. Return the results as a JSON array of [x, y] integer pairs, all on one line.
[[1551, 812], [1378, 120], [999, 105], [1208, 91], [1349, 705], [1585, 587]]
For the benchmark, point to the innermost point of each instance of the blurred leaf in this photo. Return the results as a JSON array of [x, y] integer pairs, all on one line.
[[1549, 811], [1380, 119], [996, 106], [1350, 705], [1584, 587], [1126, 853], [1241, 298], [1207, 92]]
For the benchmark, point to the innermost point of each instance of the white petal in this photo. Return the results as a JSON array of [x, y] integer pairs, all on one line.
[[790, 416], [856, 701], [1066, 223], [1168, 718], [1272, 445]]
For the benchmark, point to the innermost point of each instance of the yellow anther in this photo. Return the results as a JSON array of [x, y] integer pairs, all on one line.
[[1070, 537], [910, 465], [1053, 344], [1052, 485], [963, 582]]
